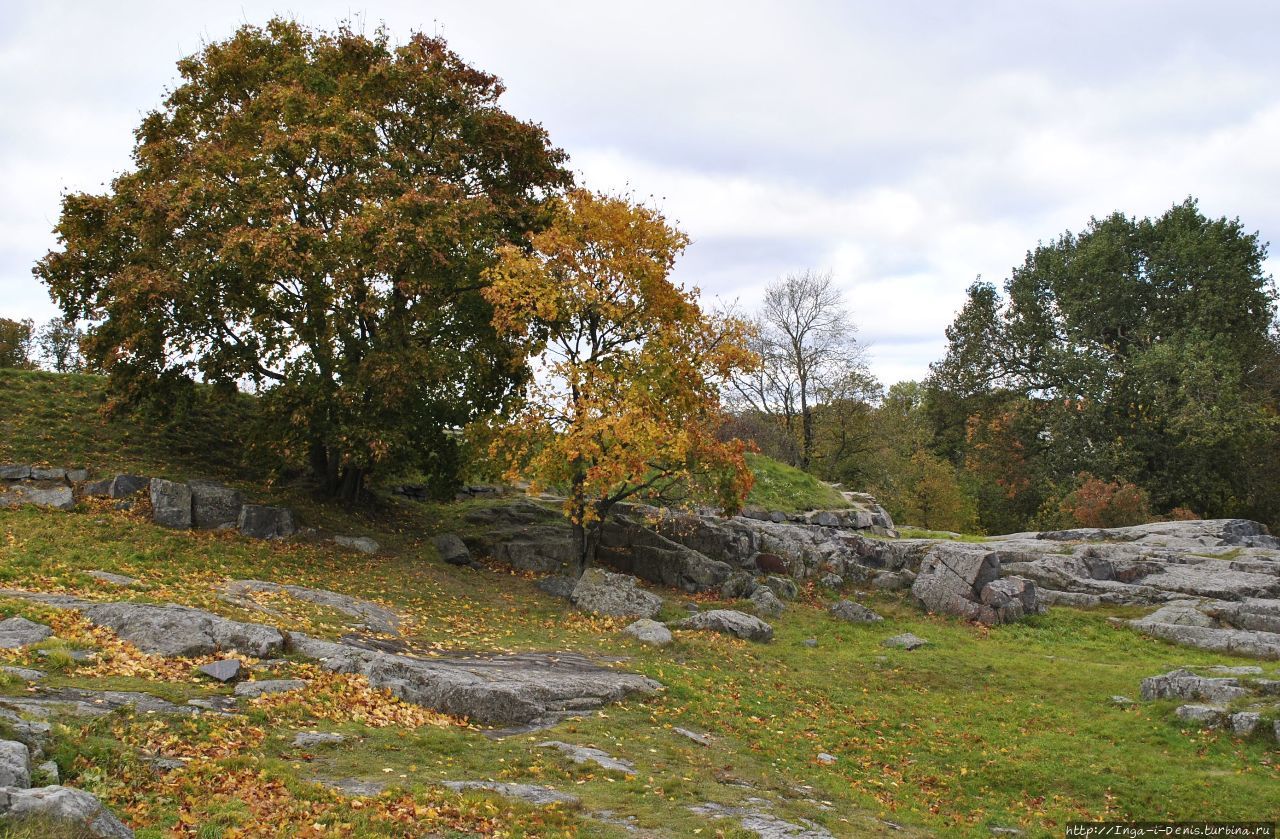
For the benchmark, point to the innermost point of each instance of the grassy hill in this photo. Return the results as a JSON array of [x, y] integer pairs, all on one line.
[[1010, 726]]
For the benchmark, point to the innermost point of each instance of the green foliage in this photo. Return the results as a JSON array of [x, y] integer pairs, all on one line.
[[1139, 351], [15, 343], [312, 213]]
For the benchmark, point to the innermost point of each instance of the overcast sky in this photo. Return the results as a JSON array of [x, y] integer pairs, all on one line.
[[906, 146]]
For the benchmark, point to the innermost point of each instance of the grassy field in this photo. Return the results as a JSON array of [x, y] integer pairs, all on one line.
[[1011, 726], [782, 487]]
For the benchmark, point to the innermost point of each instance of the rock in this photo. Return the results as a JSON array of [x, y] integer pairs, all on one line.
[[764, 825], [832, 580], [700, 739], [23, 673], [1121, 701], [784, 587], [905, 641], [15, 764], [557, 585], [170, 504], [113, 579], [586, 754], [963, 580], [48, 473], [1244, 723], [1203, 714], [173, 630], [63, 805], [214, 506], [603, 593], [778, 517], [33, 734], [311, 739], [78, 656], [18, 632], [1183, 684], [89, 703], [354, 787], [363, 544], [766, 604], [650, 632], [53, 497], [1208, 626], [265, 687], [122, 486], [826, 759], [49, 771], [528, 793], [628, 544], [224, 671], [525, 688], [729, 622], [847, 610], [739, 586], [374, 616], [14, 472], [258, 521], [811, 643], [452, 549]]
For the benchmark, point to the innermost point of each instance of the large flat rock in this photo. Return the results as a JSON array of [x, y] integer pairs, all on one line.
[[491, 690]]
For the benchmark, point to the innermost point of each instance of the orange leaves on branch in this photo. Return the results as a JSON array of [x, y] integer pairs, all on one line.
[[629, 368]]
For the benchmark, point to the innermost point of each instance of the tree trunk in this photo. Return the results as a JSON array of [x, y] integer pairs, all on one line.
[[586, 541]]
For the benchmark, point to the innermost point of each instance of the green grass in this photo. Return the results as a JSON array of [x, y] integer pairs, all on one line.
[[1011, 726], [921, 533], [782, 487]]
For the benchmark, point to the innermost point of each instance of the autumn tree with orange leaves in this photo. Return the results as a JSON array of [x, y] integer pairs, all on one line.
[[626, 403]]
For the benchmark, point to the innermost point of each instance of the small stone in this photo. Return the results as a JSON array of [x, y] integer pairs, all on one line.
[[730, 622], [587, 754], [1245, 723], [311, 739], [784, 587], [648, 631], [77, 476], [268, 686], [603, 593], [113, 579], [847, 610], [1204, 714], [66, 807], [78, 656], [826, 759], [452, 549], [14, 472], [1121, 700], [832, 580], [810, 642], [997, 830], [224, 671], [529, 793], [23, 673], [49, 769], [700, 739], [48, 473], [766, 604], [905, 641], [363, 544]]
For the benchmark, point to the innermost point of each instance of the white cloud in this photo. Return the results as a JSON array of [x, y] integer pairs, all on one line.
[[909, 148]]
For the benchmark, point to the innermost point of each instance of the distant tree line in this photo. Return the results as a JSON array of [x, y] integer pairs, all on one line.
[[1128, 372], [55, 345]]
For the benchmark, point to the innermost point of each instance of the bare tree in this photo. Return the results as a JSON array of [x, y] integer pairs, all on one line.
[[59, 343], [805, 338]]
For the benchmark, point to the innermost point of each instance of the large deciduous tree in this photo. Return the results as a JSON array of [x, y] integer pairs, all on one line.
[[1137, 351], [312, 213], [15, 342], [626, 402]]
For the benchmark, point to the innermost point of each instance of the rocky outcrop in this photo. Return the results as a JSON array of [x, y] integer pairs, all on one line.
[[587, 754], [65, 806], [1236, 698], [18, 632], [262, 522], [1246, 628], [728, 622], [493, 690], [452, 549], [538, 796], [964, 580], [616, 595], [371, 615]]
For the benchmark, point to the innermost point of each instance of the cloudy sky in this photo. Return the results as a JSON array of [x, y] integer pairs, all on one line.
[[907, 146]]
